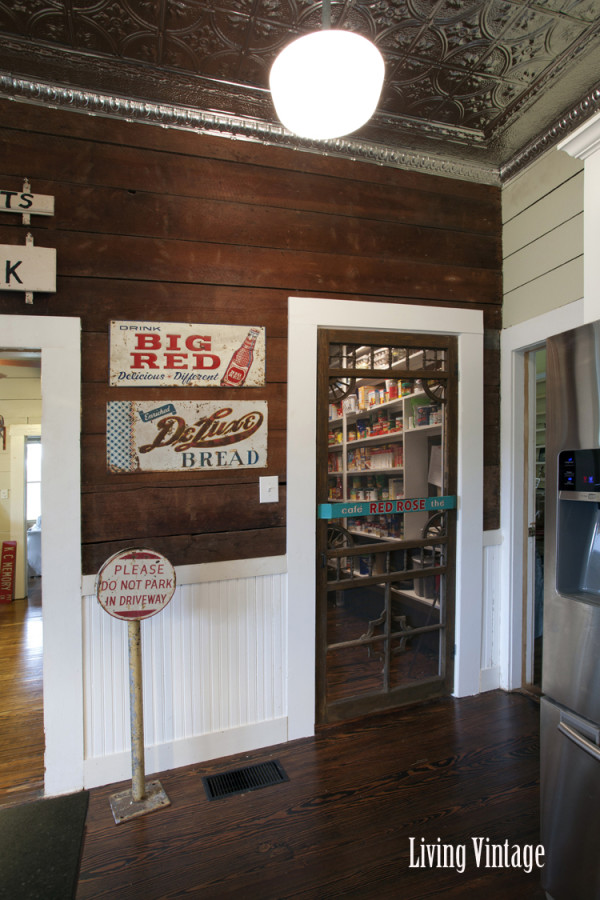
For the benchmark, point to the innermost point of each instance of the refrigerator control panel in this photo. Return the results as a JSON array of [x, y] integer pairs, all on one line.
[[579, 472]]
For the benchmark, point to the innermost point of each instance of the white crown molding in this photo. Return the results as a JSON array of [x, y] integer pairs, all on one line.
[[585, 141]]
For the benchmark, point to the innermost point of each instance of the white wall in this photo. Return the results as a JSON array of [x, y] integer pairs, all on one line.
[[542, 214], [214, 671], [551, 237]]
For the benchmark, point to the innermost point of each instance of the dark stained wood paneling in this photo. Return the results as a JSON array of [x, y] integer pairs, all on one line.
[[109, 211], [98, 300], [205, 145], [142, 259], [196, 548], [162, 225], [188, 509], [84, 162]]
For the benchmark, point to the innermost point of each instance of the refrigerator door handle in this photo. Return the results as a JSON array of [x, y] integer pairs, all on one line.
[[573, 735]]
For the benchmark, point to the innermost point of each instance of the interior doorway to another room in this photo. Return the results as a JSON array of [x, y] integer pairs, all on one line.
[[21, 623], [534, 511], [59, 340], [385, 598]]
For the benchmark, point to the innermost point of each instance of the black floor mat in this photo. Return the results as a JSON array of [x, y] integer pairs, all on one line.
[[40, 848]]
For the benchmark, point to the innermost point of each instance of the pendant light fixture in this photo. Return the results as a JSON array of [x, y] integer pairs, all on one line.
[[327, 84]]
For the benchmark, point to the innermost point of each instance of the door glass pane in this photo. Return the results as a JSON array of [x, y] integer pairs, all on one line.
[[385, 574]]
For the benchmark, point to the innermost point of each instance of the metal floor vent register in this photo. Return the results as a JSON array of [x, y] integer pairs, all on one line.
[[238, 781]]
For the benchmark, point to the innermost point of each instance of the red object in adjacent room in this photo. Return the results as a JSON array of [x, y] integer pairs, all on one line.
[[7, 571]]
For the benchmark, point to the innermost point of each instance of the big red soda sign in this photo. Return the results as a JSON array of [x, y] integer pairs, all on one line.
[[164, 354], [135, 584]]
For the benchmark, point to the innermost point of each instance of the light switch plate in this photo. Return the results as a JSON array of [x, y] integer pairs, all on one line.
[[269, 488]]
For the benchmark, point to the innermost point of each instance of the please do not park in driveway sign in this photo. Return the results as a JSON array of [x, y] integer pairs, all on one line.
[[135, 584]]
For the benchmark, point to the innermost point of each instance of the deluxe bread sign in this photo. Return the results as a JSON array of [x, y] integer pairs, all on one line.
[[185, 435], [135, 584], [164, 354]]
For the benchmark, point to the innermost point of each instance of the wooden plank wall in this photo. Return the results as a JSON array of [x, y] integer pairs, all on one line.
[[542, 211], [164, 225]]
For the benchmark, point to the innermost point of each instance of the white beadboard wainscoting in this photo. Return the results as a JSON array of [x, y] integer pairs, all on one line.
[[214, 667], [214, 673], [489, 676]]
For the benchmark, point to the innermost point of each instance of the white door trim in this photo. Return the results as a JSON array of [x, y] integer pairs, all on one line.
[[305, 317], [59, 340], [514, 343]]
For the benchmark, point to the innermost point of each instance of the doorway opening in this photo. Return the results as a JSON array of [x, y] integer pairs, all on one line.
[[535, 499], [59, 338], [385, 583], [21, 624]]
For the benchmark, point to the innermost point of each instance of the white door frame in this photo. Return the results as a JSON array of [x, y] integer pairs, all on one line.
[[306, 316], [529, 494], [59, 340], [514, 344]]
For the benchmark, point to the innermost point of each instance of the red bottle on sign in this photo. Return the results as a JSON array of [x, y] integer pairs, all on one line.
[[239, 364]]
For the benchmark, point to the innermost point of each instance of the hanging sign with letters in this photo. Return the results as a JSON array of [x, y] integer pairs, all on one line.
[[164, 354], [27, 268], [165, 436], [24, 202], [383, 507]]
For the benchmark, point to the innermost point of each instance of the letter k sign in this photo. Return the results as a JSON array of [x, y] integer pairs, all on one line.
[[11, 270]]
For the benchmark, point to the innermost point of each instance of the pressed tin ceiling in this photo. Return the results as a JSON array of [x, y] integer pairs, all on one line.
[[473, 88]]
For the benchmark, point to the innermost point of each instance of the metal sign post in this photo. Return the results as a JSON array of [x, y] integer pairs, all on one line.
[[133, 585]]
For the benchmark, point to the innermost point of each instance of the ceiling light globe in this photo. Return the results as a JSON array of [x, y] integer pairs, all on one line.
[[327, 84]]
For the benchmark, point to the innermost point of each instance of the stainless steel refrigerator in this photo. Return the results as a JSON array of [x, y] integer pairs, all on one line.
[[570, 706]]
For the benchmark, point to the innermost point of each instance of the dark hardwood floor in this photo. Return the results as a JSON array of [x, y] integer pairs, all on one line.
[[439, 774], [442, 773], [21, 703]]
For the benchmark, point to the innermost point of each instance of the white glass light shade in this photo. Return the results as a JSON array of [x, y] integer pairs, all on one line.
[[327, 84]]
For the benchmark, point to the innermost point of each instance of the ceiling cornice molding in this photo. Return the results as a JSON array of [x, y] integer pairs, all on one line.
[[166, 115], [568, 123], [180, 117]]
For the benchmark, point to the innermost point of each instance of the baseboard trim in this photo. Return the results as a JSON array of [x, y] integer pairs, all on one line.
[[489, 679], [98, 771]]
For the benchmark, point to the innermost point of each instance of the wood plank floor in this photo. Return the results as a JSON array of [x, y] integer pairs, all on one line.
[[21, 702], [448, 771]]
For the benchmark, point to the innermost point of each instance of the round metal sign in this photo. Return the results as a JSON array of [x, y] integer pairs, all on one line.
[[135, 584]]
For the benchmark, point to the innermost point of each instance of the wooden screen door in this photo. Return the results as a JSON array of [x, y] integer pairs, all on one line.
[[386, 485]]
